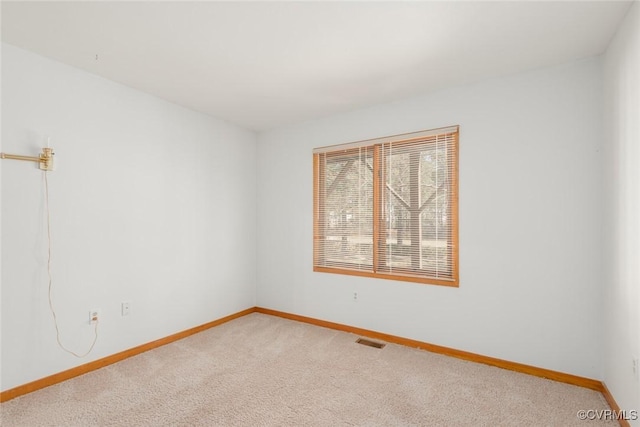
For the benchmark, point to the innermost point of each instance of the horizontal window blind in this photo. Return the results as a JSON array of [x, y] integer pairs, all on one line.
[[406, 137], [389, 207], [345, 185], [417, 217]]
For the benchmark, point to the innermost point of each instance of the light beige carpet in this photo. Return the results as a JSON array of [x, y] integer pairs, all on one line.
[[260, 370]]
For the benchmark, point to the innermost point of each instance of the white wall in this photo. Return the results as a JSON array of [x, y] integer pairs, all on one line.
[[1, 229], [150, 202], [530, 242], [622, 214]]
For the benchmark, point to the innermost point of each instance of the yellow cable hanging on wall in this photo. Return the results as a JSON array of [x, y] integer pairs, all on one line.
[[46, 164]]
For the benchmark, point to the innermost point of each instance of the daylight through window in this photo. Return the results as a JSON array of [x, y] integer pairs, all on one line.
[[388, 207]]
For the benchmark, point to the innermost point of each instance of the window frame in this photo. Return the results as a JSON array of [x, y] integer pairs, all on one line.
[[379, 270]]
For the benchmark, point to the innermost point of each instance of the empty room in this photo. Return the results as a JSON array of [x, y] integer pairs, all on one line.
[[320, 213]]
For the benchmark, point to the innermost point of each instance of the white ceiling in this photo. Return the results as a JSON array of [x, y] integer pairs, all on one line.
[[267, 64]]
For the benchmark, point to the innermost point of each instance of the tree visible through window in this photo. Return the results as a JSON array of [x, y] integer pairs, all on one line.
[[389, 208]]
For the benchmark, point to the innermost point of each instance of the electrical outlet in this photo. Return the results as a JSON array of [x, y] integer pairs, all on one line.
[[126, 308], [635, 364], [94, 316], [355, 296]]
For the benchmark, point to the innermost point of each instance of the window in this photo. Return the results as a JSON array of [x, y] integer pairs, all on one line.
[[388, 208]]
